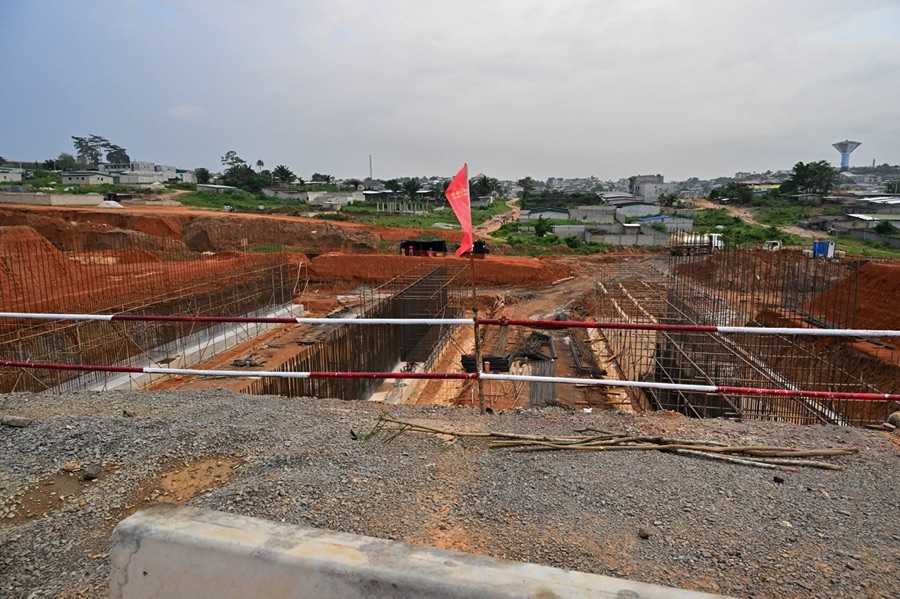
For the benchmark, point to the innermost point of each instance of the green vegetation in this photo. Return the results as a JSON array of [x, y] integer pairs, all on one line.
[[777, 211], [814, 177], [886, 228], [737, 232], [237, 198], [863, 247], [531, 244]]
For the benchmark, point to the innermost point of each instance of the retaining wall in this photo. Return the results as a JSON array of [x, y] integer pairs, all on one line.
[[179, 551]]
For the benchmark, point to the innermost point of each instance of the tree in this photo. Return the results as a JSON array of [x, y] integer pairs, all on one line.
[[319, 178], [885, 228], [527, 185], [816, 177], [542, 227], [117, 154], [411, 188], [484, 186], [260, 164], [740, 194], [66, 162], [88, 151], [202, 175], [354, 183], [284, 175], [391, 184], [91, 149], [668, 199], [231, 159]]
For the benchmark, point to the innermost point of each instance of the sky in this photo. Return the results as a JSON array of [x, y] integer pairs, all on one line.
[[514, 88]]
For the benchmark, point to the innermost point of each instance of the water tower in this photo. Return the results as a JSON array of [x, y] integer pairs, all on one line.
[[845, 147]]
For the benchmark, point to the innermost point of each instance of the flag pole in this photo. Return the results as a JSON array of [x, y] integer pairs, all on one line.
[[460, 198], [479, 367]]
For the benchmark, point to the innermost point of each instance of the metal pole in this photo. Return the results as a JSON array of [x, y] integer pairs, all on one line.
[[478, 365]]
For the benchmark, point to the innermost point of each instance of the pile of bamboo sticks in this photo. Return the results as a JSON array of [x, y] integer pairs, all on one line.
[[758, 456]]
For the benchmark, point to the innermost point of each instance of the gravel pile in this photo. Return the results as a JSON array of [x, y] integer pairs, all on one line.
[[658, 518]]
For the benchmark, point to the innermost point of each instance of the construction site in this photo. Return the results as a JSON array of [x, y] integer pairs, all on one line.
[[187, 264]]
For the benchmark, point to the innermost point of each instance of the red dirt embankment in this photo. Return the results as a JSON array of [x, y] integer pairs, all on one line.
[[377, 268]]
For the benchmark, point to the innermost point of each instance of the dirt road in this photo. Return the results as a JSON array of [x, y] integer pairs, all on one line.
[[746, 215]]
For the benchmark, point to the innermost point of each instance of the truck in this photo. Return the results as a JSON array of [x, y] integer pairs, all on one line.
[[688, 244]]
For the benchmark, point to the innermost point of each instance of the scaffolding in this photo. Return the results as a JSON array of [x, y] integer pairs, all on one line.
[[741, 287], [425, 291], [158, 278]]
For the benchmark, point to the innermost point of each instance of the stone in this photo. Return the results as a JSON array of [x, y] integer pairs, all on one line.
[[894, 419], [21, 421], [72, 466], [91, 471]]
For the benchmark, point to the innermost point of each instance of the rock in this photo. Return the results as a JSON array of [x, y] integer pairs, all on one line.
[[643, 533], [91, 471], [22, 422], [778, 480], [894, 419], [72, 466]]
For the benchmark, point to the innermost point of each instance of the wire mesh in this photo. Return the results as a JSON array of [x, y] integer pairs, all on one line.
[[742, 287]]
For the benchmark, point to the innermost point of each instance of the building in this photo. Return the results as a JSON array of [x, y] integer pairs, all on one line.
[[593, 214], [8, 176], [649, 187], [86, 178], [210, 188], [630, 210], [547, 213]]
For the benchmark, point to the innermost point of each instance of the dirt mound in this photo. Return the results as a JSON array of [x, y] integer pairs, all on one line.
[[877, 293], [28, 261], [745, 270], [377, 268]]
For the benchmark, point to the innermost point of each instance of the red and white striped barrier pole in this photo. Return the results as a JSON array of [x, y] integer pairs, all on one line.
[[882, 397], [539, 324]]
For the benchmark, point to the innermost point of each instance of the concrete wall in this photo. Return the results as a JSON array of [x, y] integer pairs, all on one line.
[[593, 214], [286, 194], [569, 231], [623, 213], [870, 235], [178, 551], [641, 239], [51, 199]]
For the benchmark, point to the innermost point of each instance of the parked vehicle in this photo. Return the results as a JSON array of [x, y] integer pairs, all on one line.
[[688, 244], [772, 246]]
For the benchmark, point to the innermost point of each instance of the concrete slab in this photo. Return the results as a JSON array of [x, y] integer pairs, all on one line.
[[178, 551]]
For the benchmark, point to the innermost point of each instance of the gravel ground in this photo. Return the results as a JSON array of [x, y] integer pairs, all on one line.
[[712, 526]]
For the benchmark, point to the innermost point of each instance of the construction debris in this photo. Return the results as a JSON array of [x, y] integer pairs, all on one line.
[[758, 456]]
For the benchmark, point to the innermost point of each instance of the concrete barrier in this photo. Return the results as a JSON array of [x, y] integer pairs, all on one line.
[[177, 551]]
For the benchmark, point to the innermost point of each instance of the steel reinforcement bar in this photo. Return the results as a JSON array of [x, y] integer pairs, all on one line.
[[539, 324]]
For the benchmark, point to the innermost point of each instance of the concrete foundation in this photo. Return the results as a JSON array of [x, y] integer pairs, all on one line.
[[177, 551]]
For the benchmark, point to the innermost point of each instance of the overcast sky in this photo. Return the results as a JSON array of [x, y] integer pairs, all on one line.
[[546, 88]]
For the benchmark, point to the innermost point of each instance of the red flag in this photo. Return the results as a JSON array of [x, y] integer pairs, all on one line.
[[458, 195]]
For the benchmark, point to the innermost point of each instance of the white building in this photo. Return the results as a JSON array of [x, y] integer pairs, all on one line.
[[86, 178]]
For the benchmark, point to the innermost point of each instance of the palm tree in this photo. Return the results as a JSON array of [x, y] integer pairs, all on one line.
[[411, 188], [260, 164], [484, 186], [284, 175]]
